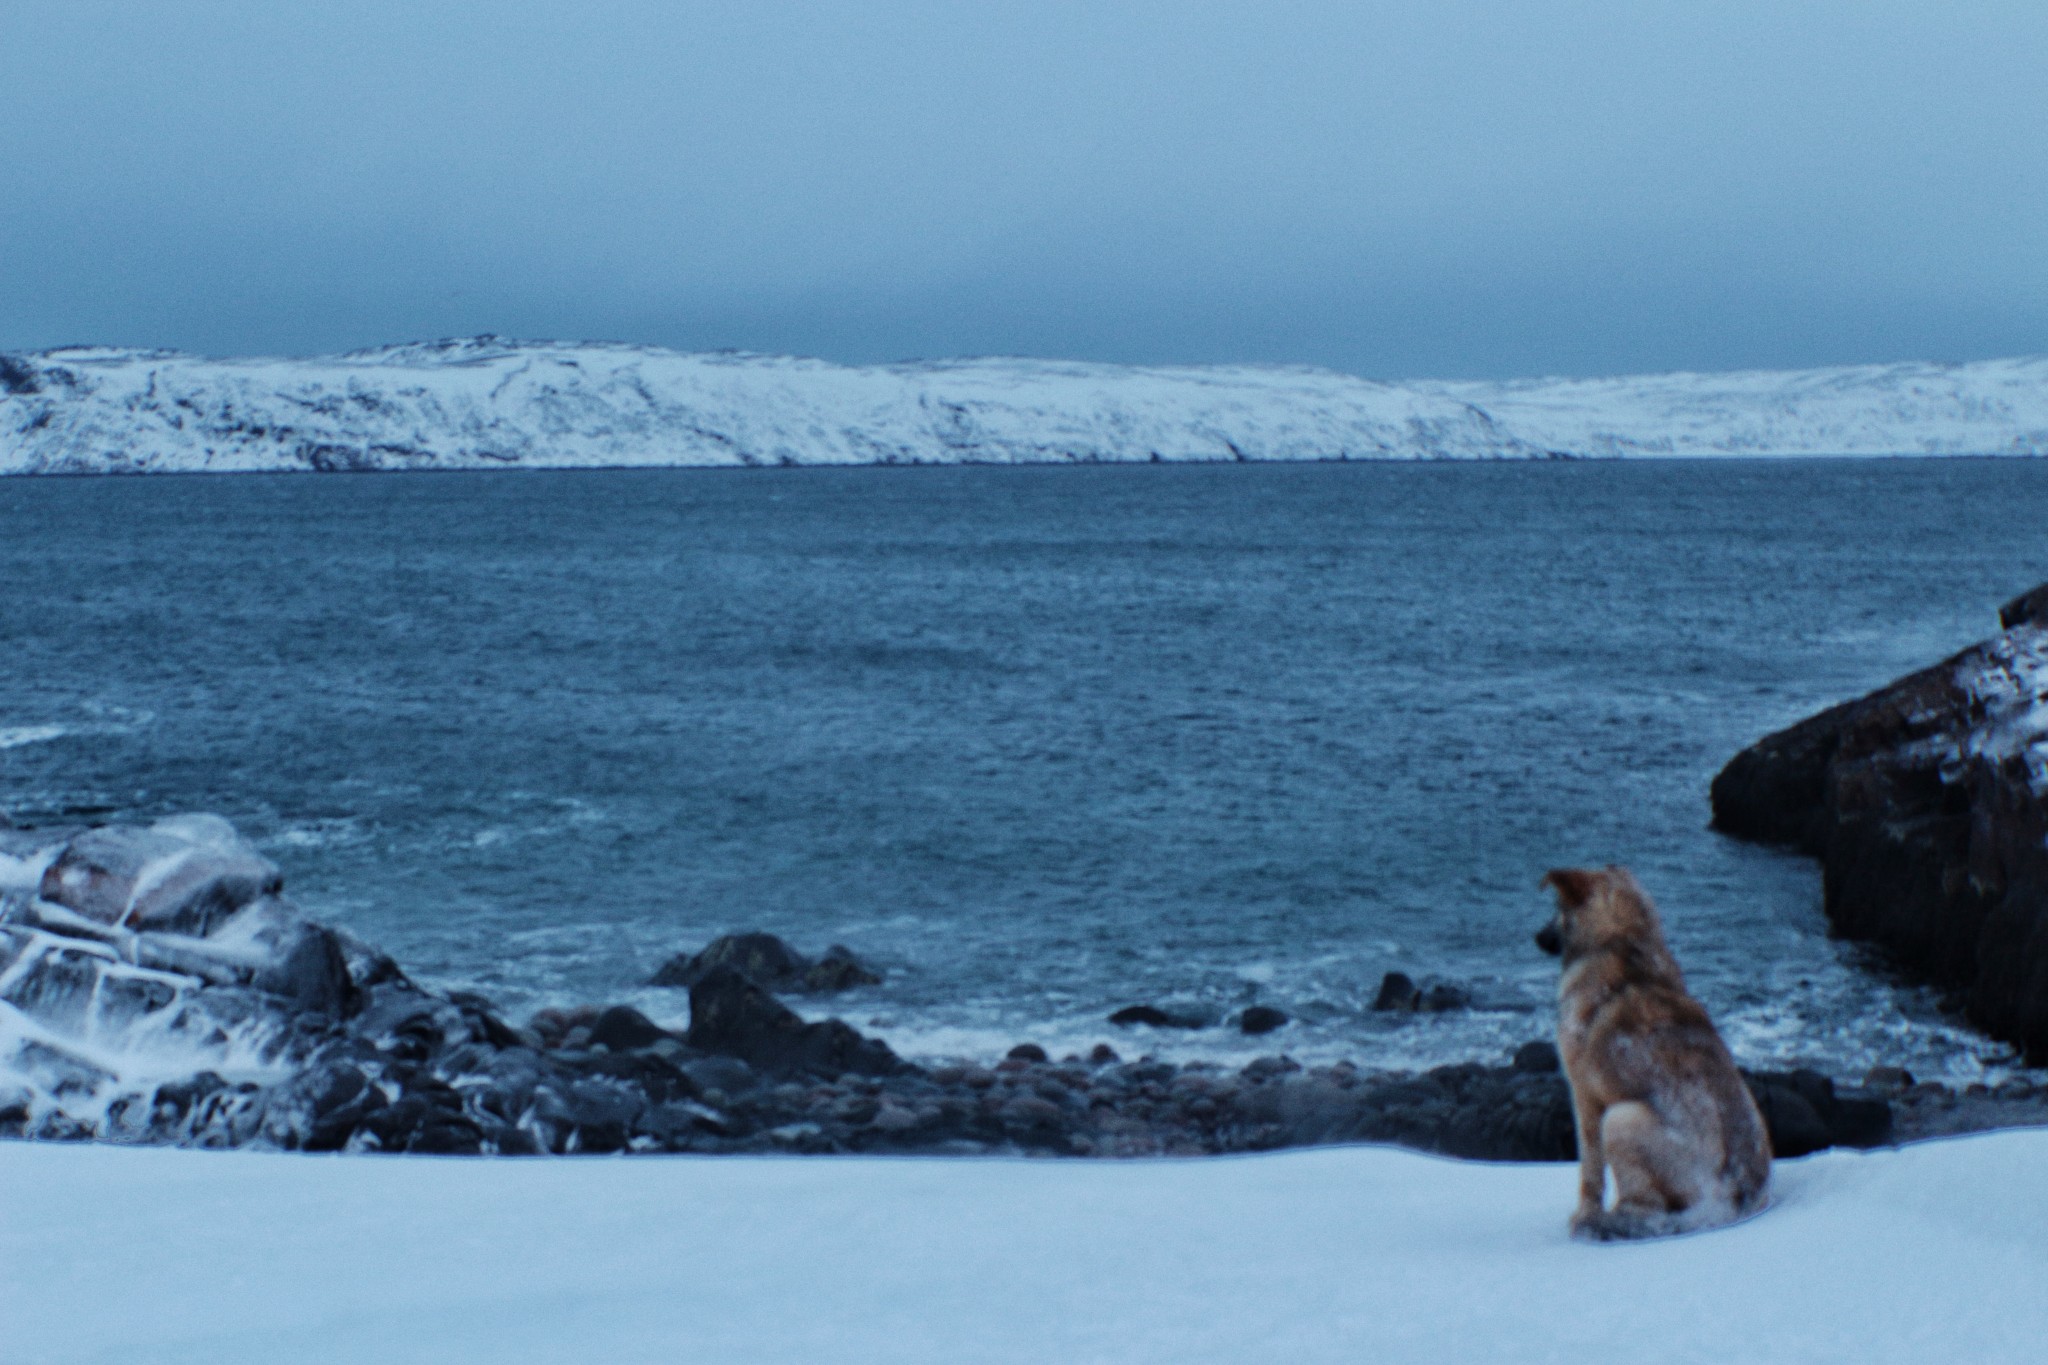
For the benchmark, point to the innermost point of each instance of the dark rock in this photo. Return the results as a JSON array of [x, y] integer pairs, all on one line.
[[732, 1015], [622, 1028], [1398, 991], [1443, 996], [1266, 1068], [658, 1079], [1929, 1109], [427, 1124], [771, 964], [727, 1075], [1930, 827], [1027, 1052], [2030, 608], [1485, 1113], [571, 1113], [1888, 1078], [838, 970], [762, 958], [367, 966], [486, 1025], [1794, 1125], [175, 1100], [506, 1140], [405, 1023], [552, 1026], [1102, 1054], [1539, 1057], [1033, 1119], [1805, 1114], [683, 1125], [17, 377], [307, 966], [1258, 1019], [320, 1108], [1154, 1017]]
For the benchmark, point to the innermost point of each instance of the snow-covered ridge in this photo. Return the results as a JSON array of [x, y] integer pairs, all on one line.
[[488, 402]]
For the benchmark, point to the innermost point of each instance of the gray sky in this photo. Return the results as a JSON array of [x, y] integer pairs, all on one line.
[[1444, 187]]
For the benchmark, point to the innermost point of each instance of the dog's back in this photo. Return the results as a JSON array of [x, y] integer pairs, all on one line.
[[1656, 1094]]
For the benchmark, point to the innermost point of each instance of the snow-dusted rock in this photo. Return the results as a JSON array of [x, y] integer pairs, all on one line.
[[490, 403], [1927, 804], [184, 875], [132, 959]]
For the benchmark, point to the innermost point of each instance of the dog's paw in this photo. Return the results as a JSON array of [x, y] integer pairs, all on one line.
[[1589, 1225]]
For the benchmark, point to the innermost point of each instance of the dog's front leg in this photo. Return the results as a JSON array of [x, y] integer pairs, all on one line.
[[1592, 1168]]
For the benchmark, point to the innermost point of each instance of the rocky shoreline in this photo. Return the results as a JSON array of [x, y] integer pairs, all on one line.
[[121, 947]]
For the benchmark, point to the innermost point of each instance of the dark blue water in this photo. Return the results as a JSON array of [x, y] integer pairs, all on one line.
[[1040, 742]]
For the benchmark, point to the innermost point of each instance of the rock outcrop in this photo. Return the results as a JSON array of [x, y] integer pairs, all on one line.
[[1926, 803]]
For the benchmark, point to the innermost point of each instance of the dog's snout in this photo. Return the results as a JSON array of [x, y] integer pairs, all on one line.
[[1548, 940]]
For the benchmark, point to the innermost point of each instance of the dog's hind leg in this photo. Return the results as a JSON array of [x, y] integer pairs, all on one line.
[[1657, 1177]]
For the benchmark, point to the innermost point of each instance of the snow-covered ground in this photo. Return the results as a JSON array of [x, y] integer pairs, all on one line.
[[488, 403], [1933, 1253]]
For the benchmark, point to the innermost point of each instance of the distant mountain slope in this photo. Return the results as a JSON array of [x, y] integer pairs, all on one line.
[[1989, 407], [488, 402]]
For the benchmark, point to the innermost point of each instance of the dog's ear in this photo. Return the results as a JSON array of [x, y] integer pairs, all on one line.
[[1574, 885]]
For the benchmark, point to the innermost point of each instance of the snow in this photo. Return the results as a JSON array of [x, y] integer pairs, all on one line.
[[1990, 407], [2006, 680], [1929, 1253], [491, 403]]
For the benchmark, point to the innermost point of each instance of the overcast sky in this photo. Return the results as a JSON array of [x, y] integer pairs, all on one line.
[[1444, 187]]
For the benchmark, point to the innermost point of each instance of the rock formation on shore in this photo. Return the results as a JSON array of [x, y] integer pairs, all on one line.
[[1927, 805]]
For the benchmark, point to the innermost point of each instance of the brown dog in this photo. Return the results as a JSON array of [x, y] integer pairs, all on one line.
[[1657, 1096]]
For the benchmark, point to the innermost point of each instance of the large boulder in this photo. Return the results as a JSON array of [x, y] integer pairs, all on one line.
[[730, 1014], [183, 875], [1926, 803]]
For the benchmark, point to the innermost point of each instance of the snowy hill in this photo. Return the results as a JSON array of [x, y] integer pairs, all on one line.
[[488, 402], [1990, 407]]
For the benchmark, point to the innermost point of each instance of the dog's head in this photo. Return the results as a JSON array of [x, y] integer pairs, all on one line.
[[1593, 906]]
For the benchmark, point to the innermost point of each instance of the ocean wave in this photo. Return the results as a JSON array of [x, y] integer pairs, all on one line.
[[15, 736]]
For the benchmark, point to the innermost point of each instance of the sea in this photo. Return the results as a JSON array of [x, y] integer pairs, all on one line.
[[1035, 742]]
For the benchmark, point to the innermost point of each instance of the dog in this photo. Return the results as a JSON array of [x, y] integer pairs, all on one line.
[[1655, 1094]]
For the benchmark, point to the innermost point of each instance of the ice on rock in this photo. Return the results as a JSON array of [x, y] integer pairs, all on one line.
[[183, 876], [134, 958]]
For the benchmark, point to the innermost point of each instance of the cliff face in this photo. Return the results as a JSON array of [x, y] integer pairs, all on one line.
[[1927, 805]]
